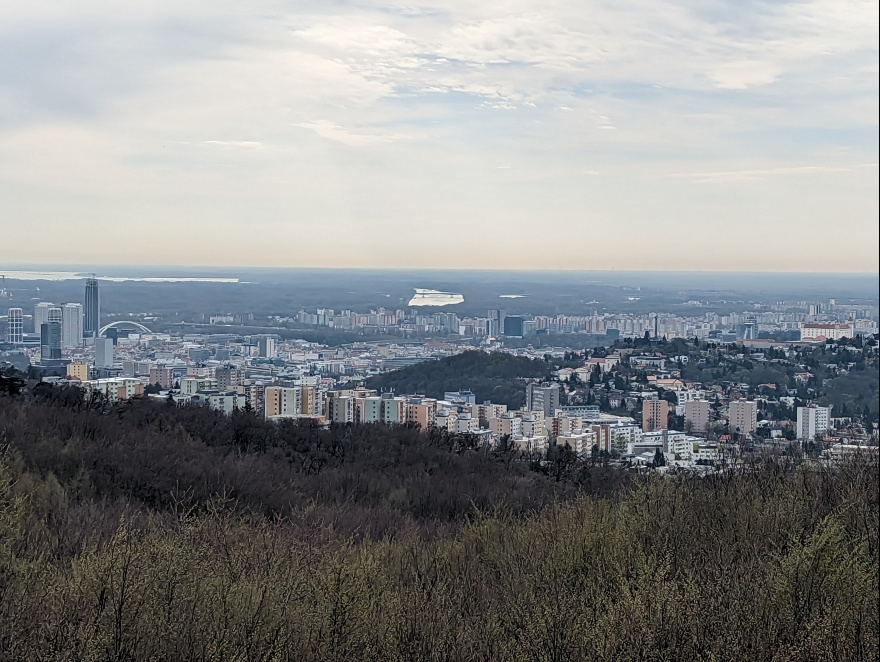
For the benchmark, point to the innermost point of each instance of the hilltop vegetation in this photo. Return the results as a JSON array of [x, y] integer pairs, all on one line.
[[143, 531], [491, 376]]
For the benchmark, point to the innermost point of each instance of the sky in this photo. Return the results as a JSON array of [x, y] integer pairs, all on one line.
[[691, 135]]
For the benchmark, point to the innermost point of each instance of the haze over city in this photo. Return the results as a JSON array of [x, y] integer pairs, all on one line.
[[511, 135]]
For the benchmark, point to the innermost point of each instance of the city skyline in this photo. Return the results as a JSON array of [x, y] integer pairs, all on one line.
[[499, 135]]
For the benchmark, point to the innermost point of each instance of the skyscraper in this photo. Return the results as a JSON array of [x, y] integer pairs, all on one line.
[[513, 326], [14, 326], [50, 340], [92, 317], [71, 325], [103, 352], [542, 397]]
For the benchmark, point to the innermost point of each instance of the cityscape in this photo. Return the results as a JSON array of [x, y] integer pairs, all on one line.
[[440, 331], [277, 377]]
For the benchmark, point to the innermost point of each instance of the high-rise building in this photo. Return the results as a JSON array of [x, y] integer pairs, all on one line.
[[513, 326], [92, 315], [71, 325], [162, 375], [542, 397], [50, 341], [696, 414], [266, 346], [103, 352], [14, 326], [228, 377], [41, 314], [282, 401], [743, 416], [812, 420], [495, 322], [654, 415]]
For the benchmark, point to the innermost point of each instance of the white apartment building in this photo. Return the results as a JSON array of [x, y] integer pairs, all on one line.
[[192, 385], [812, 420], [225, 401]]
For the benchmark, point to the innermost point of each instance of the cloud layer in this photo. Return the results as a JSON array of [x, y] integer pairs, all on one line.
[[489, 134]]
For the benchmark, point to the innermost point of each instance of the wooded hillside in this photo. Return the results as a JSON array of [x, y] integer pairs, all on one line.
[[144, 531], [490, 376]]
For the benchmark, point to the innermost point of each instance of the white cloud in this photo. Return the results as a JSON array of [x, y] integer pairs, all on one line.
[[214, 103], [331, 131]]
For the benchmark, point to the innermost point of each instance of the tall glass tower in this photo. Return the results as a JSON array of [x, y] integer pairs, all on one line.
[[92, 313]]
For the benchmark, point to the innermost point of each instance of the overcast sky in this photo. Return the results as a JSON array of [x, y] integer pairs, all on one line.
[[579, 135]]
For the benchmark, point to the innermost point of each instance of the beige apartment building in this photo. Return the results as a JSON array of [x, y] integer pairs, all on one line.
[[743, 416], [78, 370], [696, 415], [282, 401]]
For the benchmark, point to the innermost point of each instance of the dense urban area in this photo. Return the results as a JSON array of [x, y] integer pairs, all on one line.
[[659, 391], [509, 487]]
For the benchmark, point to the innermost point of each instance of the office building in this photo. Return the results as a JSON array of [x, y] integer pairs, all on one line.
[[14, 326], [812, 421], [71, 325], [92, 313], [654, 415], [266, 347], [543, 398], [696, 415], [743, 416], [513, 326], [50, 341], [104, 353]]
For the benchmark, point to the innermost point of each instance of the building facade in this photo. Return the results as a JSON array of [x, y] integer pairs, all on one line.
[[696, 415], [655, 415], [92, 312], [71, 325], [743, 416], [812, 421], [14, 326]]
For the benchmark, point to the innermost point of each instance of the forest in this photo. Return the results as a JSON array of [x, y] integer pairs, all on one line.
[[490, 376], [143, 531]]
